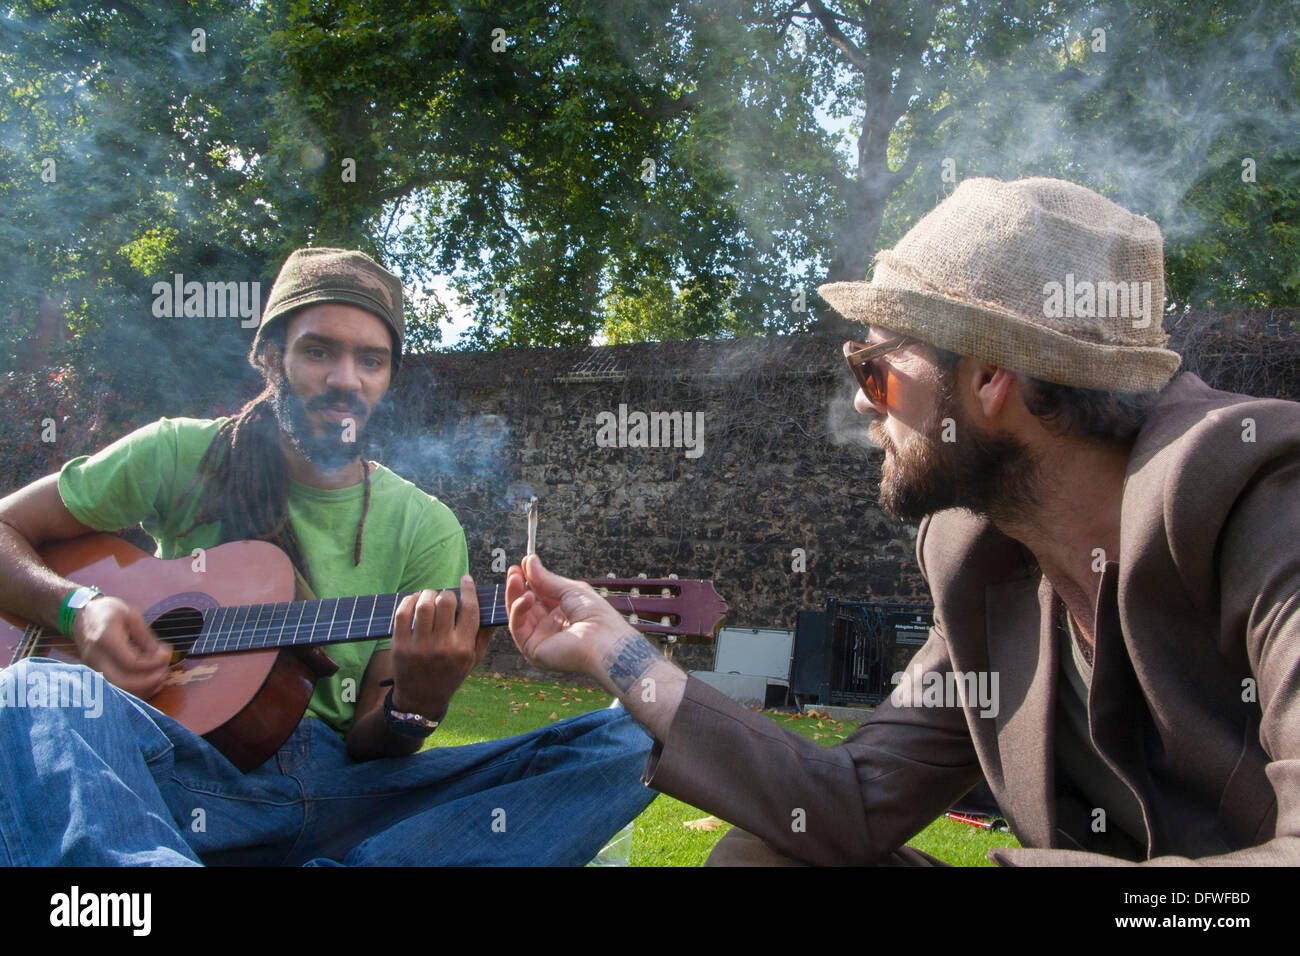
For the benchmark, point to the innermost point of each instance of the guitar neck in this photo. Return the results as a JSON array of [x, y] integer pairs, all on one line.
[[252, 627], [656, 605]]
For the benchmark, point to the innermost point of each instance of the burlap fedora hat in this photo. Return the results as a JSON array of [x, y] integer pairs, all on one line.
[[1041, 276], [312, 276]]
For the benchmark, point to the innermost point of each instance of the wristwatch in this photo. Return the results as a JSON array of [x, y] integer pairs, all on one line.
[[408, 725]]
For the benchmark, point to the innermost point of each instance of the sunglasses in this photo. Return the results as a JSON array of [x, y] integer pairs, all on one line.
[[870, 372]]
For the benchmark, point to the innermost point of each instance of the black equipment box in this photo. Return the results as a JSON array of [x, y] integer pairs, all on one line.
[[848, 654]]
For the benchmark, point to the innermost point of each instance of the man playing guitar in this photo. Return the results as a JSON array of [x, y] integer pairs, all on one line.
[[132, 786]]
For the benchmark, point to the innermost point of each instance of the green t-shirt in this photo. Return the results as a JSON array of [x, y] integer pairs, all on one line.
[[411, 540]]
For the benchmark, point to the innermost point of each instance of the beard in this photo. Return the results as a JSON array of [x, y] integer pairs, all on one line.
[[328, 451], [988, 474]]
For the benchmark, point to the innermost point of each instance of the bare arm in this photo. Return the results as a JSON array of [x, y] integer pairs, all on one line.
[[564, 625], [111, 636], [29, 518]]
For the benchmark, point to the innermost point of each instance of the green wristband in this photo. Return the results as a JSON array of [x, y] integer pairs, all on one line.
[[72, 604]]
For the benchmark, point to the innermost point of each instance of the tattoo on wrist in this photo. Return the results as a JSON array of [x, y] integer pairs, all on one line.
[[629, 660]]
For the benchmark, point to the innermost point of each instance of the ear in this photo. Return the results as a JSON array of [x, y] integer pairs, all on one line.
[[991, 387]]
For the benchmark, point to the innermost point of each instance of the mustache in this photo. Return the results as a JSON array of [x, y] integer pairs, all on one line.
[[332, 400], [876, 432]]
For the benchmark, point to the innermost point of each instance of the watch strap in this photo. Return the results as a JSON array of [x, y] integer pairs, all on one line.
[[408, 725]]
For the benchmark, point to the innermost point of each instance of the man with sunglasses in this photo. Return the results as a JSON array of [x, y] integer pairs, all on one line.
[[1116, 546]]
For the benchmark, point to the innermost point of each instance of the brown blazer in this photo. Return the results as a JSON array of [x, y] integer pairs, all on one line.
[[1195, 697]]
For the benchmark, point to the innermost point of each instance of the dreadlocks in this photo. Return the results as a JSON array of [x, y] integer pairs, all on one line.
[[243, 477]]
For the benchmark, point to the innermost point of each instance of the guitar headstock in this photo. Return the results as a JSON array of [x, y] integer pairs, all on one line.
[[685, 608]]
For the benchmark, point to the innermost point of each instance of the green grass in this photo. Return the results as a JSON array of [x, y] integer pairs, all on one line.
[[491, 706]]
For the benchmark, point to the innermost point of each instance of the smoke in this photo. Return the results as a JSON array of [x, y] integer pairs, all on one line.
[[1151, 106], [461, 449], [846, 425], [517, 496]]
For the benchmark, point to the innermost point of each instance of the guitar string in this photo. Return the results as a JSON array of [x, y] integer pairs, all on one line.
[[215, 637], [288, 605], [173, 633]]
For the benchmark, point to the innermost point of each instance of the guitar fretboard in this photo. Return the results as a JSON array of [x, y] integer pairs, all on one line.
[[250, 627]]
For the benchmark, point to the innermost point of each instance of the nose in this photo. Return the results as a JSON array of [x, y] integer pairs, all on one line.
[[344, 374], [865, 406]]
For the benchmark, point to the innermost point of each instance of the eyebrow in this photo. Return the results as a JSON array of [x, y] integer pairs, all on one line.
[[316, 338]]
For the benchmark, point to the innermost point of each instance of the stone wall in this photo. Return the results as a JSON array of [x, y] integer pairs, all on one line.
[[780, 463], [783, 464]]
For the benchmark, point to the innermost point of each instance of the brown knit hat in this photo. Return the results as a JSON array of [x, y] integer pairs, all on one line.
[[1041, 276], [311, 276]]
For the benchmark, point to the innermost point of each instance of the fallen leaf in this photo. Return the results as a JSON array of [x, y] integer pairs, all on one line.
[[704, 823], [470, 710], [554, 715]]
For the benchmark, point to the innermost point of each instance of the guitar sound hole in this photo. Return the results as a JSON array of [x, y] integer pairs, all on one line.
[[179, 627]]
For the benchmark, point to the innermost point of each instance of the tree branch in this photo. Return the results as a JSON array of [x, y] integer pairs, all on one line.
[[909, 58], [933, 120], [896, 177], [837, 37], [418, 182]]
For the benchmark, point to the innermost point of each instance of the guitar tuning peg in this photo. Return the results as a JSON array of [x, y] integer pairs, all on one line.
[[666, 621], [665, 592], [631, 619], [610, 574], [672, 577], [642, 575]]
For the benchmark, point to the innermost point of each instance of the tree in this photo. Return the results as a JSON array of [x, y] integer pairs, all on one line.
[[1156, 105], [651, 168]]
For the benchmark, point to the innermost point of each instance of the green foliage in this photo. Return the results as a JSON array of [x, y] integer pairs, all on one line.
[[622, 150], [1244, 248], [631, 168], [1159, 120]]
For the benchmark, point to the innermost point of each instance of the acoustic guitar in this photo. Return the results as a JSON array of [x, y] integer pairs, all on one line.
[[248, 654]]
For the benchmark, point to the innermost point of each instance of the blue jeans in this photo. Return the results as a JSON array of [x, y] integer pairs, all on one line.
[[130, 786]]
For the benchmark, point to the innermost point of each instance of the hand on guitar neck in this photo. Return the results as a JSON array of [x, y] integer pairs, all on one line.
[[435, 647]]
